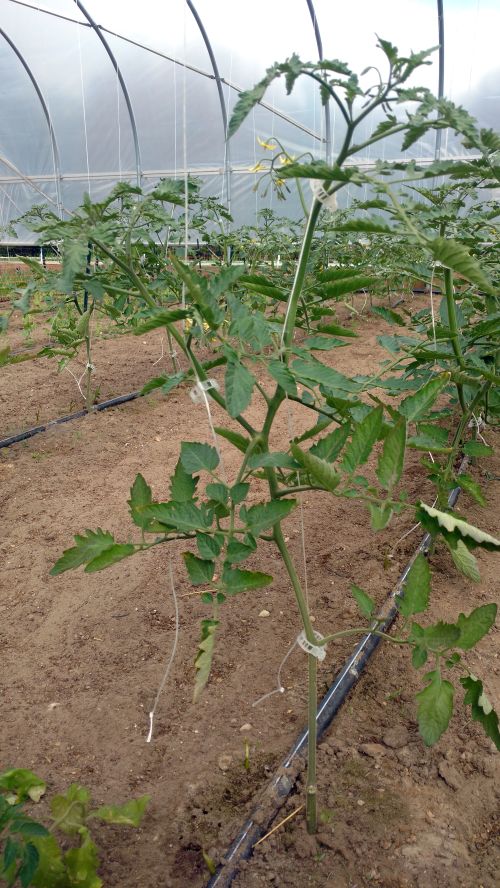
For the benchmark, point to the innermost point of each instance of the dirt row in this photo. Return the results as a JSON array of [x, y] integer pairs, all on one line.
[[83, 655]]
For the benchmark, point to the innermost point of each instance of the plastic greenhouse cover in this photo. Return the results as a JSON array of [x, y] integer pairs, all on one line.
[[84, 140]]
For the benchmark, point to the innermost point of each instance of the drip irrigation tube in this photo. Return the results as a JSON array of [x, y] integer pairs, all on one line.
[[277, 791], [113, 402]]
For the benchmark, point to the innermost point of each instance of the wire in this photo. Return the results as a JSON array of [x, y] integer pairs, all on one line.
[[172, 654]]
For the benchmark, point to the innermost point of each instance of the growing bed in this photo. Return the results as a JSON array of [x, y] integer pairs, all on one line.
[[84, 655]]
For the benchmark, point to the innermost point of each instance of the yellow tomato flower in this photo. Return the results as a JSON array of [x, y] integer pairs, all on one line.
[[267, 145]]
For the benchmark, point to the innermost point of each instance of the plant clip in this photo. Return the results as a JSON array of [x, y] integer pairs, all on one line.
[[318, 651], [197, 393], [329, 201]]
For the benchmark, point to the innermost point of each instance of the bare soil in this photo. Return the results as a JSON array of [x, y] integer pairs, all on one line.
[[82, 657]]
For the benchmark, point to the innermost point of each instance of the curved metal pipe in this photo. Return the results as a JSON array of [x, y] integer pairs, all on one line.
[[213, 62], [319, 44], [163, 55], [46, 112], [440, 15], [121, 81]]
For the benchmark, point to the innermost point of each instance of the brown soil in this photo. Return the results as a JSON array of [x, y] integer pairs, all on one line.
[[83, 656]]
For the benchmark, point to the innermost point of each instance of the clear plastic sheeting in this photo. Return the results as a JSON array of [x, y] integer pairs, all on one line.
[[94, 93]]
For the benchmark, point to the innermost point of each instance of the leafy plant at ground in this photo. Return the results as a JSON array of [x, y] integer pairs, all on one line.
[[30, 852], [433, 377]]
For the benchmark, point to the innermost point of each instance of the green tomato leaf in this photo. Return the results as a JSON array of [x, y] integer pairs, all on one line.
[[481, 708], [435, 708], [218, 492], [239, 492], [82, 863], [392, 317], [88, 547], [70, 810], [200, 571], [110, 556], [477, 448], [319, 469], [419, 657], [265, 460], [263, 515], [281, 374], [235, 580], [23, 784], [336, 330], [237, 552], [464, 560], [239, 384], [415, 597], [365, 604], [364, 436], [203, 661], [29, 865], [25, 826], [454, 255], [183, 517], [391, 460], [182, 484], [165, 383], [330, 446], [195, 457], [209, 546], [140, 496], [440, 637], [414, 407], [476, 625], [454, 528], [472, 488], [128, 814], [161, 318], [380, 515], [50, 869]]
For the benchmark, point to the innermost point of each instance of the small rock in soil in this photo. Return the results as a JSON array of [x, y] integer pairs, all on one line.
[[225, 761], [337, 744], [396, 737], [450, 775], [372, 750]]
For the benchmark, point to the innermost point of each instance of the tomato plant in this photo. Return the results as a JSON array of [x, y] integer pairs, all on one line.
[[30, 851], [442, 371]]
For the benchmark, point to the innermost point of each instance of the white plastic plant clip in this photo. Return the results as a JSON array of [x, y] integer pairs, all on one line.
[[198, 392], [329, 201], [318, 651]]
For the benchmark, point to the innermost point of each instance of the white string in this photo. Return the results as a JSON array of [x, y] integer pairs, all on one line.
[[119, 133], [408, 532], [162, 353], [171, 658], [478, 423], [201, 389], [84, 111], [185, 161], [255, 181], [78, 381], [279, 689], [291, 435], [432, 306]]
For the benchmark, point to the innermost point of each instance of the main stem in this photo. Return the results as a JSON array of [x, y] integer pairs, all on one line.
[[454, 332]]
